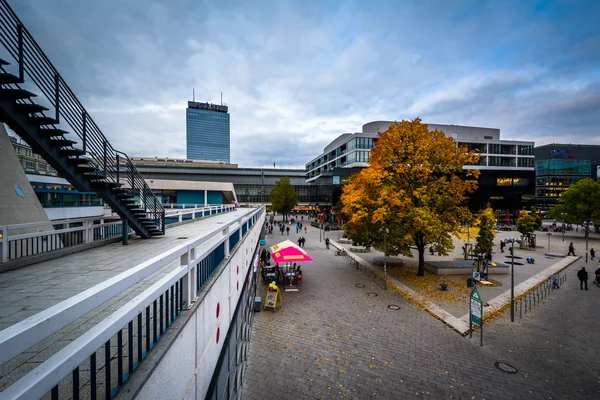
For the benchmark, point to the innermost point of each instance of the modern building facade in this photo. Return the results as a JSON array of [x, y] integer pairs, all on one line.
[[507, 167], [558, 166], [207, 132], [252, 185]]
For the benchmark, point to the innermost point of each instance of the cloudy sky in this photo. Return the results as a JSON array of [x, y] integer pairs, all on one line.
[[296, 74]]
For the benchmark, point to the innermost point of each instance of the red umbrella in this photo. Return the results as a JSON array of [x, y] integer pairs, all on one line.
[[507, 217], [518, 213], [540, 213]]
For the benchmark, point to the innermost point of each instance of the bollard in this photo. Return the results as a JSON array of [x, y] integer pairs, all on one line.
[[521, 309], [534, 300], [525, 304]]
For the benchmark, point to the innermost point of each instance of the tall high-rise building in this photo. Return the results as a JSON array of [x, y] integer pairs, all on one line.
[[207, 132]]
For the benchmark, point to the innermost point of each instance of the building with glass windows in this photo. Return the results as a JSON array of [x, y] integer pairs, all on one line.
[[207, 132], [507, 169], [558, 166]]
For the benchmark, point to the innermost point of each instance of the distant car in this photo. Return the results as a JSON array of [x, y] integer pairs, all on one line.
[[506, 228]]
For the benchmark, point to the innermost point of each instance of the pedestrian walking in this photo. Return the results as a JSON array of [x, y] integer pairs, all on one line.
[[305, 229], [597, 273], [327, 243], [583, 278], [303, 241], [592, 253], [555, 282], [571, 249], [287, 229], [502, 244]]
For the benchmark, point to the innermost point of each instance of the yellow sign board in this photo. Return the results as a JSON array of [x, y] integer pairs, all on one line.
[[273, 297]]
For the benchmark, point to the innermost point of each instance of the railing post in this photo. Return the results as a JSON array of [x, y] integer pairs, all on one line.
[[130, 165], [89, 235], [125, 232], [105, 158], [21, 55], [3, 243], [163, 221], [118, 162], [56, 96], [180, 216], [84, 130], [188, 280]]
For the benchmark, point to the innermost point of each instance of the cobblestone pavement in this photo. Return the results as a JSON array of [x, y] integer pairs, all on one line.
[[331, 340]]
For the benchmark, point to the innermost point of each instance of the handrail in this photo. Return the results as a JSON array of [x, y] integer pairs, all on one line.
[[22, 335], [32, 61], [52, 371]]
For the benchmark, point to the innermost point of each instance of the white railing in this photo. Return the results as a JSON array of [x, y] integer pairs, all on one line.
[[92, 229], [197, 264], [196, 212]]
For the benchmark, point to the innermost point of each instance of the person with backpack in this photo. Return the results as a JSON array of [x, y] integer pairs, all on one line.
[[327, 243]]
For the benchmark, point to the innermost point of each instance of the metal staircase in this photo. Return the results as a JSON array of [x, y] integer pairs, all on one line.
[[80, 152]]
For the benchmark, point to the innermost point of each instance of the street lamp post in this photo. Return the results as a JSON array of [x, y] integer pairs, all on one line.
[[512, 279], [385, 232], [563, 227], [587, 231]]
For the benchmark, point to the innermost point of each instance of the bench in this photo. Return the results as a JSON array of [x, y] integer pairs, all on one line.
[[345, 241], [359, 249]]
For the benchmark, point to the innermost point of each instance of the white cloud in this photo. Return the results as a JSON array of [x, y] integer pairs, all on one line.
[[298, 74]]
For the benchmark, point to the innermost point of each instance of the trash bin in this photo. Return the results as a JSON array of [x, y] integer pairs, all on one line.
[[469, 282], [257, 304]]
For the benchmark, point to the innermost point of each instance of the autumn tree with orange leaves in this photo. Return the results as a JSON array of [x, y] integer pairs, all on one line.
[[415, 186]]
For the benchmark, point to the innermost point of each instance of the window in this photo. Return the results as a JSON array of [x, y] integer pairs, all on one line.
[[70, 200], [563, 167], [29, 165], [41, 167]]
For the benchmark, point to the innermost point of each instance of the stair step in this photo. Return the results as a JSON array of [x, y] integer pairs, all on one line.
[[5, 77], [93, 174], [43, 120], [2, 62], [124, 195], [62, 142], [106, 184], [78, 160], [52, 131], [128, 201], [30, 107], [86, 168], [72, 152], [17, 93]]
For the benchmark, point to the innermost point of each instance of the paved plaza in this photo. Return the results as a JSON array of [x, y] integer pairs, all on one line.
[[336, 339]]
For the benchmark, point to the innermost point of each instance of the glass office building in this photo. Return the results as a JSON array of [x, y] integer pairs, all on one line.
[[207, 132], [558, 166]]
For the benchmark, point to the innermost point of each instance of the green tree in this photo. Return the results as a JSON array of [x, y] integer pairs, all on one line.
[[581, 202], [415, 187], [526, 223], [283, 198], [485, 238]]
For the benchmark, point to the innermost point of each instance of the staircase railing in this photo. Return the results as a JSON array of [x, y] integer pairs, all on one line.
[[113, 165]]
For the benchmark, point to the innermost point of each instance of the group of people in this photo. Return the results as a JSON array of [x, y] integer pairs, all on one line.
[[301, 241]]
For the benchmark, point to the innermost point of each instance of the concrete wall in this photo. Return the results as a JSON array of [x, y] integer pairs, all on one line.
[[15, 209]]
